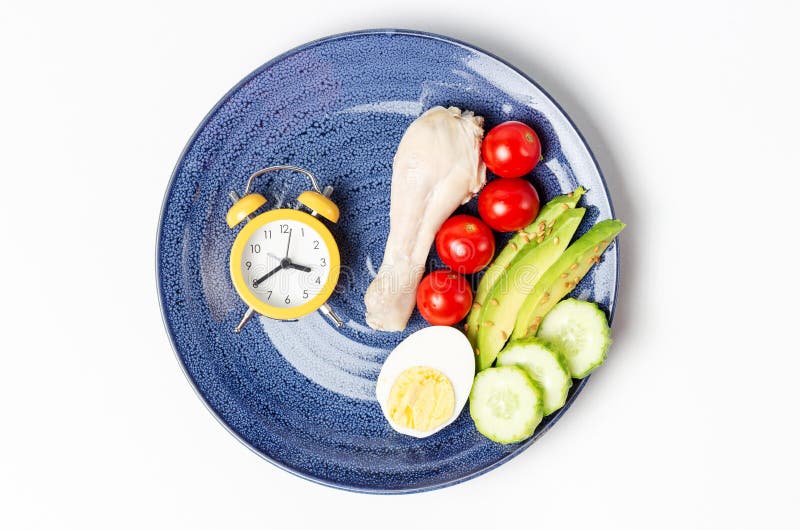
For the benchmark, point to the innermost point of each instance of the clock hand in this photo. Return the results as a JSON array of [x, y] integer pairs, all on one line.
[[298, 267], [273, 256], [288, 244], [258, 282]]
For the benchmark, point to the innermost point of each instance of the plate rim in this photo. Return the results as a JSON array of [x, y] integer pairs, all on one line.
[[162, 305]]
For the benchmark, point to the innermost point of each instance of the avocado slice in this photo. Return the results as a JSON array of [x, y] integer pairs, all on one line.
[[526, 237], [562, 277], [513, 286]]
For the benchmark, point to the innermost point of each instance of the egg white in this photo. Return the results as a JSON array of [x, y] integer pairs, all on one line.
[[442, 348]]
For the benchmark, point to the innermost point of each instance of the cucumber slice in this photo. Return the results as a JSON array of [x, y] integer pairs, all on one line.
[[579, 331], [505, 404], [544, 366]]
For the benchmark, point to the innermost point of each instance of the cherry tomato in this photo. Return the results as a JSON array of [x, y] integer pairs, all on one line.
[[511, 149], [444, 297], [508, 204], [465, 244]]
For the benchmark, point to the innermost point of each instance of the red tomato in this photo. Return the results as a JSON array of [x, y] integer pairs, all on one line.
[[511, 149], [508, 204], [465, 244], [444, 297]]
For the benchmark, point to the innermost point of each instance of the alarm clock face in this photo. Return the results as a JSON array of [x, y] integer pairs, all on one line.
[[286, 263]]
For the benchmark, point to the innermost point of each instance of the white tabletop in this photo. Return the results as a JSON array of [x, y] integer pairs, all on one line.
[[692, 111]]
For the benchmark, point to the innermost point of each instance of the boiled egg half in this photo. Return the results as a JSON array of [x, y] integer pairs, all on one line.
[[425, 381]]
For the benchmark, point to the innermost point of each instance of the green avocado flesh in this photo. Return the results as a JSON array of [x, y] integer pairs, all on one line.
[[562, 277], [510, 290], [527, 237]]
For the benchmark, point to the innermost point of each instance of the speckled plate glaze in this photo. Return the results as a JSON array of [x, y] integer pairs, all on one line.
[[301, 394]]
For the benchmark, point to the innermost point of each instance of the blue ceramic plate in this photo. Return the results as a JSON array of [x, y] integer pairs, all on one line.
[[301, 394]]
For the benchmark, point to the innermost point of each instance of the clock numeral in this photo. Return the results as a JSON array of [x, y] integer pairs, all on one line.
[[322, 262], [286, 300], [267, 234], [302, 232], [316, 245], [248, 264], [317, 280], [284, 229], [305, 293], [255, 249]]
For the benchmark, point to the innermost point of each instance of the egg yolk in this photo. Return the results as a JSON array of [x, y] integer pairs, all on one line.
[[421, 399]]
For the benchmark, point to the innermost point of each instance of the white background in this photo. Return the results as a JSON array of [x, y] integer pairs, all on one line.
[[692, 110]]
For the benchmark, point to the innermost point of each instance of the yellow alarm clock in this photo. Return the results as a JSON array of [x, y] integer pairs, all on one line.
[[284, 263]]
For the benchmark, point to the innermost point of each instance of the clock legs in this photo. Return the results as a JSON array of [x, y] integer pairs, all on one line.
[[325, 310], [247, 316], [328, 312]]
